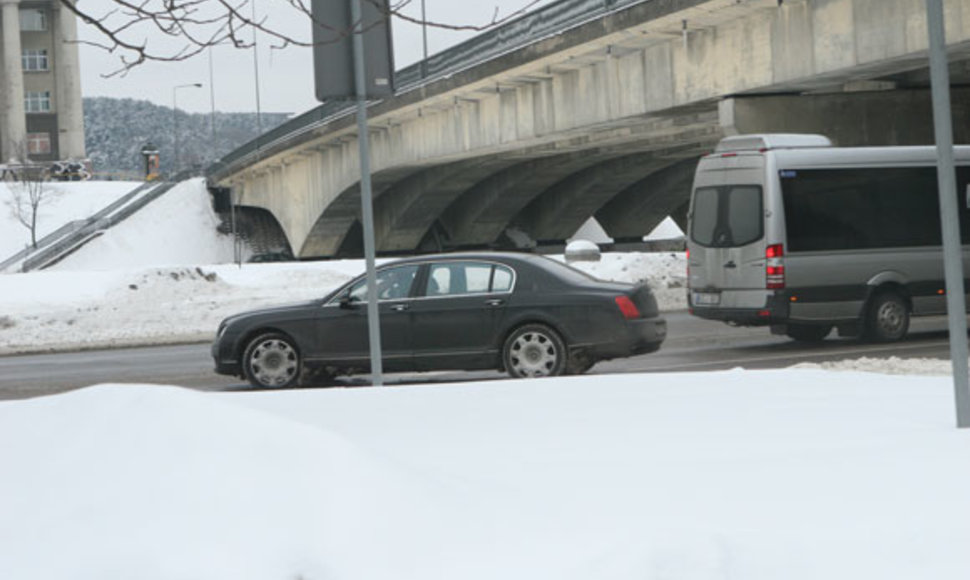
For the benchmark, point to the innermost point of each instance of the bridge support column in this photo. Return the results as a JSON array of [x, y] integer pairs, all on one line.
[[13, 122], [899, 117]]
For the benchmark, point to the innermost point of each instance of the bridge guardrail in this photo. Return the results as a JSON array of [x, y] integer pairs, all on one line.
[[526, 29]]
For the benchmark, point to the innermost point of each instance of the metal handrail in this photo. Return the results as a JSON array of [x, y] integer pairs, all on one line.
[[104, 219], [527, 29]]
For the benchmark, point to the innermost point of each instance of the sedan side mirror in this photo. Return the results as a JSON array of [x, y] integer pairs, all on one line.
[[347, 302]]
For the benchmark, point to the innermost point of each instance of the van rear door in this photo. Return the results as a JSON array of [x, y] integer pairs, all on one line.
[[727, 240]]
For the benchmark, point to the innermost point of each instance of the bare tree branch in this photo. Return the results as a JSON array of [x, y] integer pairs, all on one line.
[[28, 193], [128, 27]]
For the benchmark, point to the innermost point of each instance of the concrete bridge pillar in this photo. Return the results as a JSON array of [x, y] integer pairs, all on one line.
[[70, 114], [13, 122]]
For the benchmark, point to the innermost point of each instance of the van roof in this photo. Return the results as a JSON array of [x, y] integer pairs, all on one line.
[[764, 142]]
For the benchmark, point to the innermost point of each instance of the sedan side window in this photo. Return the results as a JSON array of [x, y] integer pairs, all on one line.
[[502, 279], [392, 284], [455, 278]]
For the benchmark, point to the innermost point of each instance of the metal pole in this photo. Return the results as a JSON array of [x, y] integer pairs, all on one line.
[[946, 175], [175, 127], [175, 121], [212, 100], [259, 115], [366, 201], [236, 254], [424, 34]]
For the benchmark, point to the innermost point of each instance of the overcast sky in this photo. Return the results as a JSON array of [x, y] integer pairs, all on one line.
[[285, 76]]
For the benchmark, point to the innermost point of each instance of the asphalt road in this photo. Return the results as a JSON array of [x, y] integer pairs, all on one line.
[[692, 345]]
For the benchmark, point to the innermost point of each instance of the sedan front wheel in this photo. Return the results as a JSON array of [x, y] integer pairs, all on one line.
[[272, 361], [534, 350]]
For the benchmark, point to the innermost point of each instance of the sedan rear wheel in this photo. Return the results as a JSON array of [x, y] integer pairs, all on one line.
[[534, 350], [272, 361]]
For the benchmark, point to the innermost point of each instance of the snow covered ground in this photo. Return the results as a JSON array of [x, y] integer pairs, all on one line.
[[804, 473], [165, 275]]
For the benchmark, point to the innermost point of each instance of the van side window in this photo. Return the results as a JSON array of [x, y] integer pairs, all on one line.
[[858, 208], [727, 216]]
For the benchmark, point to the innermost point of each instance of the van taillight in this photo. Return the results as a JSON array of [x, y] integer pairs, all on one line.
[[687, 257], [775, 267]]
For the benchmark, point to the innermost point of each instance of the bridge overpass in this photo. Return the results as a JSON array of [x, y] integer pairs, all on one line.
[[594, 108]]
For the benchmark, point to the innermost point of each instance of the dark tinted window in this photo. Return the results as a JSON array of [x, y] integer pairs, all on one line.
[[704, 216], [841, 209], [727, 216]]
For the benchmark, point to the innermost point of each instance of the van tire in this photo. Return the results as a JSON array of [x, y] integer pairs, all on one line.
[[887, 317], [808, 332]]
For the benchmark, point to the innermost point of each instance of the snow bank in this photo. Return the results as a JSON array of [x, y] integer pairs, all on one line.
[[151, 280], [706, 476], [63, 202]]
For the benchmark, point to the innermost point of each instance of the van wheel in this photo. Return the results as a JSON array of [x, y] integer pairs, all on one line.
[[887, 318], [808, 332]]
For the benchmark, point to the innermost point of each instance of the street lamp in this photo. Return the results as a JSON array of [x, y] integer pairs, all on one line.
[[175, 120]]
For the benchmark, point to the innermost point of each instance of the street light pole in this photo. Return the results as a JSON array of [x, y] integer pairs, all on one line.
[[212, 100], [949, 209], [424, 35], [175, 122]]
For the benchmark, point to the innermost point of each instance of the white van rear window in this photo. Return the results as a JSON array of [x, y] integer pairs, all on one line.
[[727, 216]]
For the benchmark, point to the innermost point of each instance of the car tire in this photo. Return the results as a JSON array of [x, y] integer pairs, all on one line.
[[272, 361], [808, 332], [534, 350], [887, 317]]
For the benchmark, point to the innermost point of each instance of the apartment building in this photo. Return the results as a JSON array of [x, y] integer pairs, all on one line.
[[40, 93]]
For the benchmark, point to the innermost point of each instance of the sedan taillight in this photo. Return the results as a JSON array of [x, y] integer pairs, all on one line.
[[627, 307]]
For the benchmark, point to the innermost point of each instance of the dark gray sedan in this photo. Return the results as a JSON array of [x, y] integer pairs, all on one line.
[[524, 313]]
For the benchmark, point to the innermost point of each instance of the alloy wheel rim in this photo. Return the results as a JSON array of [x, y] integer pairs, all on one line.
[[273, 362], [533, 355]]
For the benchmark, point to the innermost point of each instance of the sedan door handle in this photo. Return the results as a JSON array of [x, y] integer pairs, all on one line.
[[400, 307], [495, 302]]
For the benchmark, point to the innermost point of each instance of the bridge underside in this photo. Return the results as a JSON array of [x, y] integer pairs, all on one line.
[[545, 195], [606, 120]]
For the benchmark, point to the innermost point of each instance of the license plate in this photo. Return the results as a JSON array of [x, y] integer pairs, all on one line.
[[706, 299]]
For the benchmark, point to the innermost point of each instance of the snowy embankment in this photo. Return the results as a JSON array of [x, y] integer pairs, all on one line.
[[757, 475], [165, 276]]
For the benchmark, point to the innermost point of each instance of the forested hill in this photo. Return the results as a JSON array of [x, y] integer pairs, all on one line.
[[117, 129]]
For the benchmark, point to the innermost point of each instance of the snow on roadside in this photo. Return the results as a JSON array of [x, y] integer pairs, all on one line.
[[59, 309], [42, 312], [888, 366], [700, 476], [63, 203], [665, 272], [178, 228], [164, 276]]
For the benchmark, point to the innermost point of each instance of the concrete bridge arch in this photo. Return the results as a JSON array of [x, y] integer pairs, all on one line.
[[604, 119]]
